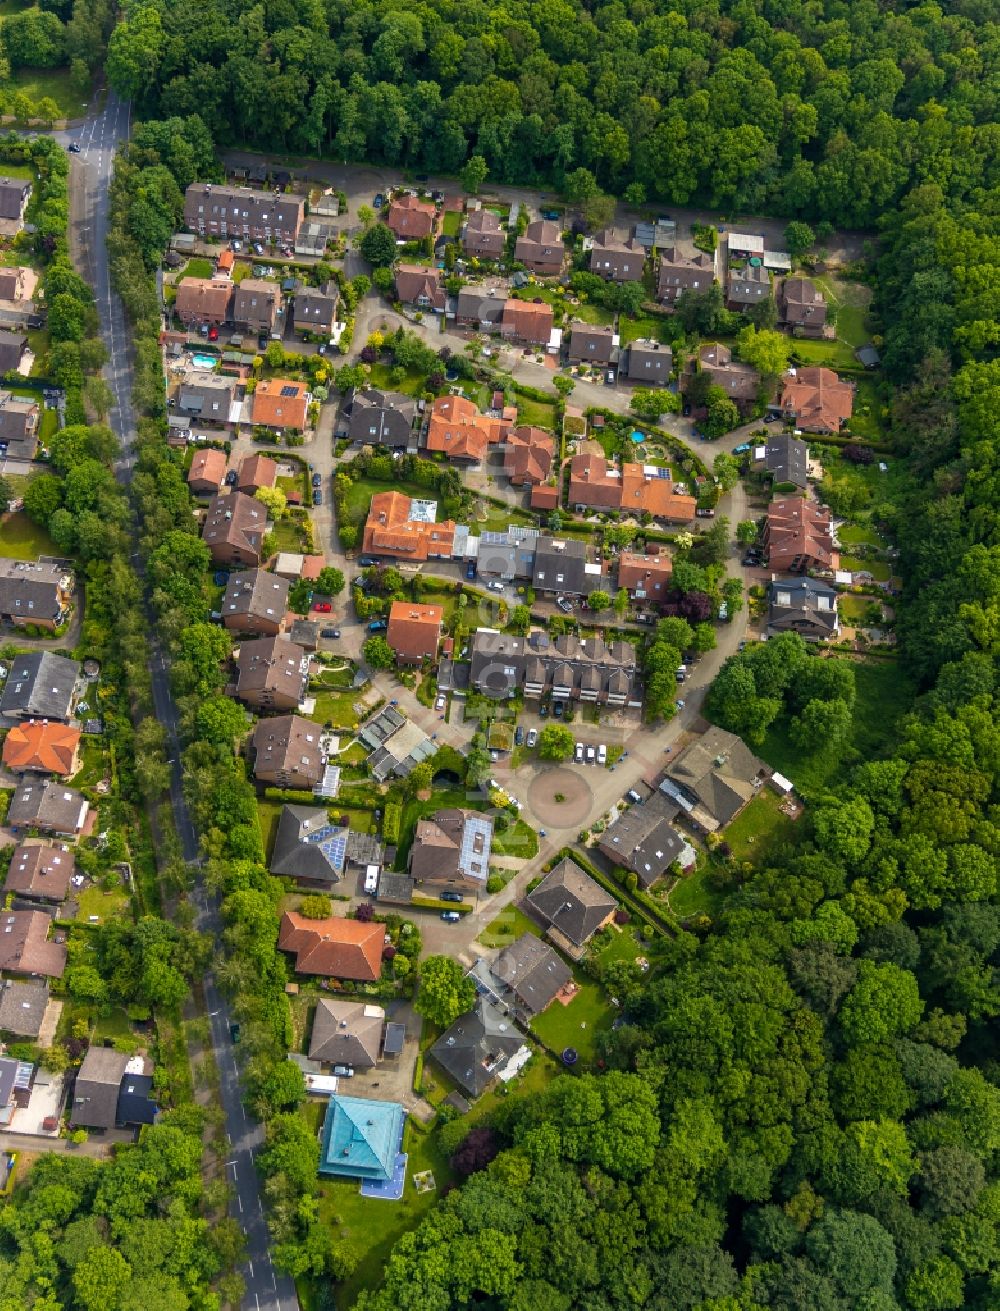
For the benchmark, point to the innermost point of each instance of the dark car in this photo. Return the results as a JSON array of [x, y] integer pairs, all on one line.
[[221, 578], [379, 200], [262, 341], [557, 710], [470, 569], [329, 632], [518, 736], [377, 626], [231, 477], [317, 480], [317, 497], [686, 411], [234, 1031], [450, 916], [366, 561], [448, 895], [551, 214], [705, 513], [74, 147]]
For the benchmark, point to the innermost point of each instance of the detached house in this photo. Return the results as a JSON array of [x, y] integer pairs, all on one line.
[[802, 307], [806, 606], [685, 270], [315, 310], [633, 488], [816, 400], [649, 364], [740, 382], [256, 305], [382, 419], [712, 779], [477, 1047], [14, 196], [416, 285], [646, 578], [209, 398], [527, 321], [42, 746], [483, 237], [541, 248], [203, 300], [747, 287], [34, 592], [221, 211], [41, 685], [643, 840], [25, 948], [49, 806], [452, 848], [255, 602], [528, 456], [40, 871], [402, 529], [458, 429], [207, 472], [410, 218], [281, 404], [592, 345], [572, 905], [617, 257], [334, 947], [256, 471], [287, 752], [234, 529], [273, 673], [798, 536], [414, 631], [13, 346], [481, 307]]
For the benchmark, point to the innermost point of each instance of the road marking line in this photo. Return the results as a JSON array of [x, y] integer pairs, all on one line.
[[250, 1264], [239, 1201]]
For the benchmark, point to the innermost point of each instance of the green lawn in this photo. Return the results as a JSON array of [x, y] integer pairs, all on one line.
[[28, 173], [412, 383], [415, 809], [199, 267], [578, 1024], [866, 421], [693, 894], [536, 413], [116, 1024], [288, 535], [20, 539], [105, 905], [850, 301], [622, 946], [760, 829], [854, 609], [880, 570], [54, 83], [336, 709], [48, 426], [508, 926], [451, 223], [519, 840], [856, 534], [94, 763], [649, 326], [884, 694], [269, 812], [834, 355]]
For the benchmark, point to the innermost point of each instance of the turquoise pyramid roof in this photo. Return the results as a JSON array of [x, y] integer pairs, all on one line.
[[360, 1138]]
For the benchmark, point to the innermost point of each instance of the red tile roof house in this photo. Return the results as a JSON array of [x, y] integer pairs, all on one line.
[[528, 456], [281, 404], [458, 430], [416, 285], [411, 219], [44, 746], [234, 529], [525, 321], [798, 537], [414, 631], [203, 300], [483, 238], [816, 399], [541, 248], [256, 471], [207, 472], [645, 577], [336, 948]]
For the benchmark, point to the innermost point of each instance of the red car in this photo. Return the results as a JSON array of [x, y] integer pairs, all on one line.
[[213, 334], [324, 607]]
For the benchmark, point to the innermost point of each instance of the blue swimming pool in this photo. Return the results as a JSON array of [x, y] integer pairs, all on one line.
[[637, 436], [204, 361]]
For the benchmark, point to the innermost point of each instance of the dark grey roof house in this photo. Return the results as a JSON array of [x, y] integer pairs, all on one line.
[[590, 344], [12, 348], [784, 457], [136, 1104], [98, 1082], [481, 307], [316, 309], [477, 1047], [529, 974], [643, 840], [713, 778], [562, 565], [40, 686], [381, 418], [572, 904], [207, 396], [48, 805], [308, 848], [22, 1007], [34, 591], [748, 287], [255, 602], [14, 193], [347, 1033], [649, 363], [806, 606], [507, 555]]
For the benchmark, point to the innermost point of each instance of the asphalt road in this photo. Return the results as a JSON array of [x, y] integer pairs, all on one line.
[[90, 178]]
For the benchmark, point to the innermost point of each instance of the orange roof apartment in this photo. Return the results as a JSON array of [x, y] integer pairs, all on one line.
[[635, 489], [390, 530], [460, 431], [645, 577], [798, 537], [281, 403], [414, 631]]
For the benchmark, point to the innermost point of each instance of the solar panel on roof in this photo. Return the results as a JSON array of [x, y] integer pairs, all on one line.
[[289, 391]]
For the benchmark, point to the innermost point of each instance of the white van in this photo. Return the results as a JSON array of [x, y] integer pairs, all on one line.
[[371, 879]]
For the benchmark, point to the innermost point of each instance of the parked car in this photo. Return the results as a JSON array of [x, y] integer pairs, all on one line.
[[551, 214], [231, 477], [602, 754], [557, 709], [213, 333], [330, 632], [366, 561], [317, 497], [449, 895], [379, 200], [258, 249], [495, 585], [377, 626], [344, 1071], [591, 755], [679, 703], [470, 569], [317, 480], [705, 513], [439, 703], [532, 737], [742, 449], [633, 796], [323, 607], [234, 1032], [371, 879], [518, 736], [578, 755], [565, 606], [450, 916]]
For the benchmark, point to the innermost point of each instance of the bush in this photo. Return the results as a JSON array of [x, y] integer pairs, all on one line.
[[495, 883], [391, 822], [316, 907]]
